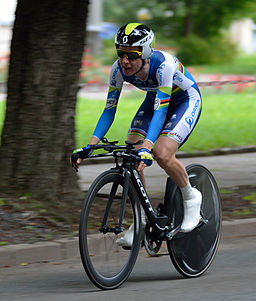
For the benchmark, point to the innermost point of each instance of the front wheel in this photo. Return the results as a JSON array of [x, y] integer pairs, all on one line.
[[106, 263], [193, 252]]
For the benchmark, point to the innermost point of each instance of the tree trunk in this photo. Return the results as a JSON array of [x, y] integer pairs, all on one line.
[[188, 21], [38, 134]]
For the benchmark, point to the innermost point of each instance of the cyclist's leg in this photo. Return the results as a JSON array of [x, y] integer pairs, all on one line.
[[165, 154], [176, 131]]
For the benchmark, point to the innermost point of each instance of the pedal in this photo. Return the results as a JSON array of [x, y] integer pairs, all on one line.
[[202, 223], [172, 233]]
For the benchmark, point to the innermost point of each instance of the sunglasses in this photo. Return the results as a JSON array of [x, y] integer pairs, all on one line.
[[130, 55]]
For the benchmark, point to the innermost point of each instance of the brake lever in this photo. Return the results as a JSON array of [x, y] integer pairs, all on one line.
[[74, 158], [76, 169]]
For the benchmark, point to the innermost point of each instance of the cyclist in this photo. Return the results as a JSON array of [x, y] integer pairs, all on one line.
[[165, 119]]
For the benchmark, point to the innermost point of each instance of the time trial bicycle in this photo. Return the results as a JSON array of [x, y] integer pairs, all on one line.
[[112, 205]]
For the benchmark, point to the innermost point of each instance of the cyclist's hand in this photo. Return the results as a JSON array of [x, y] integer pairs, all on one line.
[[146, 158], [79, 154]]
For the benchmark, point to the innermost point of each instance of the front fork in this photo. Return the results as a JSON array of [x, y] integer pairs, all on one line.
[[118, 229]]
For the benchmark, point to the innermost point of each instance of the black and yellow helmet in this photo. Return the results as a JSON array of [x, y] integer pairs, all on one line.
[[136, 34]]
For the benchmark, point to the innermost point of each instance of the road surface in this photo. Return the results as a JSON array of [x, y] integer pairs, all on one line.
[[232, 276]]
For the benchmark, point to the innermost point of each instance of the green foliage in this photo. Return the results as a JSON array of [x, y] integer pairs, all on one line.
[[181, 17], [126, 11], [194, 50], [109, 50], [209, 16]]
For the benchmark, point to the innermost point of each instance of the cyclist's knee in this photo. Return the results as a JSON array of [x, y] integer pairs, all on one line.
[[164, 152], [164, 158]]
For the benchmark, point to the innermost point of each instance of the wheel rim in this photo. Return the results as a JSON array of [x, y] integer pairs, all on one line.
[[193, 252], [106, 263]]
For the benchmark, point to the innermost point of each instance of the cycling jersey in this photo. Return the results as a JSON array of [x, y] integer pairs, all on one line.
[[168, 82]]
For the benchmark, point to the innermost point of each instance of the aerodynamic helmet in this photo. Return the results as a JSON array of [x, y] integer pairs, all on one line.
[[136, 34]]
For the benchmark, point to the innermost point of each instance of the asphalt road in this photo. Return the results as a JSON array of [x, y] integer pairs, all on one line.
[[231, 277]]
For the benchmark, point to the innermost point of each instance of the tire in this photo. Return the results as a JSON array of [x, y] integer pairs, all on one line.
[[107, 264], [192, 253]]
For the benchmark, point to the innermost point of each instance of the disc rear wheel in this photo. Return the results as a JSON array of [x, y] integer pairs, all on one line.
[[193, 252]]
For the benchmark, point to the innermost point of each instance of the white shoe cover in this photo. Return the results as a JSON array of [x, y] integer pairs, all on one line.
[[127, 239], [191, 212]]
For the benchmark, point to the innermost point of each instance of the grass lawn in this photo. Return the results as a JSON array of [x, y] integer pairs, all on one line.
[[228, 119], [242, 64]]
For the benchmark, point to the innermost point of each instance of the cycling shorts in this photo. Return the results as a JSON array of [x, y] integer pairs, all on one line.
[[183, 113]]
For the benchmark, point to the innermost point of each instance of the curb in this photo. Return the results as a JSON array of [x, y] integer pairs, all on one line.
[[23, 254]]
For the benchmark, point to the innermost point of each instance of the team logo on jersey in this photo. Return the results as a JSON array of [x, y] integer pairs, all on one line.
[[160, 72], [195, 108], [111, 102], [189, 121], [168, 125], [178, 76], [157, 104], [137, 122], [113, 83], [176, 136]]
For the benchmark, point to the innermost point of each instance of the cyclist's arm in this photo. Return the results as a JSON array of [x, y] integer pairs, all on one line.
[[108, 115], [94, 140], [163, 97]]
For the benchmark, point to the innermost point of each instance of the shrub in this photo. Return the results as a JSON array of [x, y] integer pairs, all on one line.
[[194, 50]]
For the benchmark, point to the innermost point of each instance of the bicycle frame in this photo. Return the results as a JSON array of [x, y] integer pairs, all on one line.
[[159, 223], [162, 227]]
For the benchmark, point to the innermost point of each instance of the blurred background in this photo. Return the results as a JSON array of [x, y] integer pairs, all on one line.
[[222, 34], [216, 41]]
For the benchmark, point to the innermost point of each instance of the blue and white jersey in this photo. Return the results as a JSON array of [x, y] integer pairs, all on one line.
[[167, 80]]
